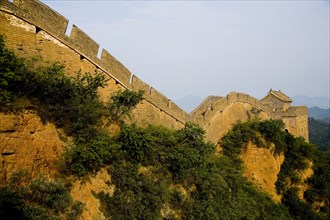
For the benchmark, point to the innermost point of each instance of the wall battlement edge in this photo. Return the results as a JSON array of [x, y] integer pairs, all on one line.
[[44, 18]]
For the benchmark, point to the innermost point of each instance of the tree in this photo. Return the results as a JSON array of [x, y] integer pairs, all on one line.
[[122, 103]]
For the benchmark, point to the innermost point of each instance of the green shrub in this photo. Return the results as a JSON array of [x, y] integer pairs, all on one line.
[[296, 151], [135, 144], [297, 155], [137, 196], [10, 204], [26, 198], [72, 103], [11, 69], [89, 156], [215, 187], [183, 152], [69, 102], [122, 103], [319, 186], [298, 208], [236, 140], [225, 194]]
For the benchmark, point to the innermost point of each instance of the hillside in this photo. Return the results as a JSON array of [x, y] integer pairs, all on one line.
[[319, 133], [319, 113], [69, 155]]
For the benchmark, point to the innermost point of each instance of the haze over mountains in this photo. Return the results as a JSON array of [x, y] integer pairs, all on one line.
[[319, 113], [190, 102], [321, 102]]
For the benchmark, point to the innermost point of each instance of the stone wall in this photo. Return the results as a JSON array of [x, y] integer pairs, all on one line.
[[32, 29], [218, 114]]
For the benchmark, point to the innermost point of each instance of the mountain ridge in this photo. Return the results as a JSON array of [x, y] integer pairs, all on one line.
[[319, 113], [321, 102]]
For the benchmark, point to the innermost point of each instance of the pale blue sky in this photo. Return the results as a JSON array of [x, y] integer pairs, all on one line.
[[206, 48]]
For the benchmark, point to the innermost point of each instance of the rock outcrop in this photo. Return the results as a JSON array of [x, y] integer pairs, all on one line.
[[86, 192], [28, 143], [262, 168]]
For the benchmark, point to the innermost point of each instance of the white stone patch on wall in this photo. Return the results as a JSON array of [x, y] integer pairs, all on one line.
[[20, 23], [51, 38]]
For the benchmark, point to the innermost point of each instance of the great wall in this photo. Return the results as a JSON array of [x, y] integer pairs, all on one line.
[[32, 29]]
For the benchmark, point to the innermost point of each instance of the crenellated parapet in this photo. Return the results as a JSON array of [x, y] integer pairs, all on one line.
[[115, 68], [38, 14], [294, 111], [213, 105], [32, 29], [218, 114], [159, 100]]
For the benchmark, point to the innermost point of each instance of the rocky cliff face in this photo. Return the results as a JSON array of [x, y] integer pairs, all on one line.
[[86, 192], [262, 167], [26, 143]]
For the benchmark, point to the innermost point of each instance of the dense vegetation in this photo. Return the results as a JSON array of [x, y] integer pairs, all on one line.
[[319, 134], [297, 154], [26, 198], [176, 173], [71, 103], [158, 172]]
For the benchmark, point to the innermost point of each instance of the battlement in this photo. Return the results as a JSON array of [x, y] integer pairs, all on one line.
[[32, 29], [218, 104], [83, 41], [294, 111], [45, 20], [218, 114], [138, 84], [159, 99], [42, 17], [115, 68]]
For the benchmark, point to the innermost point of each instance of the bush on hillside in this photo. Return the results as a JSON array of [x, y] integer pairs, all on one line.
[[158, 172], [26, 198], [122, 103], [160, 169], [297, 154]]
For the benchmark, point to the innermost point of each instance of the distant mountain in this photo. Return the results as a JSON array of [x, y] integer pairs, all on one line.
[[319, 113], [188, 103], [321, 102]]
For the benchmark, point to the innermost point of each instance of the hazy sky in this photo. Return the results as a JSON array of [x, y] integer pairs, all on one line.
[[206, 48]]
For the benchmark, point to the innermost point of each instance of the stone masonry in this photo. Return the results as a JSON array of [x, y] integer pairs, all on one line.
[[33, 30]]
